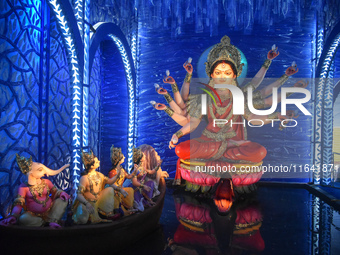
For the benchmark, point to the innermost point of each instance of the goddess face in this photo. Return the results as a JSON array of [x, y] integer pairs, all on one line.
[[223, 74]]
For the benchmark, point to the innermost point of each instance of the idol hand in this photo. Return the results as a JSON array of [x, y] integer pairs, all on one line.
[[147, 188], [9, 221], [188, 67], [164, 174], [169, 80], [64, 196], [162, 91], [159, 106], [89, 208], [301, 84], [291, 70], [124, 193], [173, 141], [272, 54], [290, 114]]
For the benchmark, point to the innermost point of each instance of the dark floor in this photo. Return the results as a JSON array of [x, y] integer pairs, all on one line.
[[279, 220], [333, 191], [294, 222]]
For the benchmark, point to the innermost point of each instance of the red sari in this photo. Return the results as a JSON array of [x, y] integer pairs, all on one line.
[[221, 145]]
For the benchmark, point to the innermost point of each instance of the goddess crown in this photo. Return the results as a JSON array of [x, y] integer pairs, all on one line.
[[115, 154], [87, 157], [224, 51], [25, 164], [137, 155]]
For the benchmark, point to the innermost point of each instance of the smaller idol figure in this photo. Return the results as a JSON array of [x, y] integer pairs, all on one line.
[[39, 202], [144, 187], [126, 203], [94, 202], [151, 164]]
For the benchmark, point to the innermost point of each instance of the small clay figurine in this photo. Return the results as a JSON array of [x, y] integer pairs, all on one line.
[[34, 206], [144, 191], [152, 165], [126, 203], [94, 202]]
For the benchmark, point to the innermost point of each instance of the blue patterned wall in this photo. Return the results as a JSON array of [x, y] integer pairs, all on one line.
[[114, 104], [94, 103], [34, 94], [210, 15], [59, 109], [20, 54]]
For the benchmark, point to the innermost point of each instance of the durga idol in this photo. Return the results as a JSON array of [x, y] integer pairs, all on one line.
[[223, 146]]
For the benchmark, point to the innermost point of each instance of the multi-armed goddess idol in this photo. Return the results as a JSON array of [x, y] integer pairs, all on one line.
[[221, 145]]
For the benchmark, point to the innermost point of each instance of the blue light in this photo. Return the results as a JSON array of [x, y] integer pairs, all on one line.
[[320, 42], [324, 100], [86, 79], [131, 123], [316, 224], [329, 57], [78, 7], [134, 48], [76, 92]]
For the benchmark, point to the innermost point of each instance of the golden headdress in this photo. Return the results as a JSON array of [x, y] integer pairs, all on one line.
[[115, 154], [87, 158], [137, 155], [224, 51], [25, 164]]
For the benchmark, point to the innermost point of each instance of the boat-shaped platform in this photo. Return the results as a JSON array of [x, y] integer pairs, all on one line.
[[83, 239]]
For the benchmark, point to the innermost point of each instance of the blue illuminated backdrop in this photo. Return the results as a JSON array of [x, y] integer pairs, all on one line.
[[50, 106], [114, 104], [161, 52], [94, 103]]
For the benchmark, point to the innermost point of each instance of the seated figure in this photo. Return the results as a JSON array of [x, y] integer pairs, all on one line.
[[39, 202], [221, 145], [94, 202], [126, 203], [144, 187], [151, 164]]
